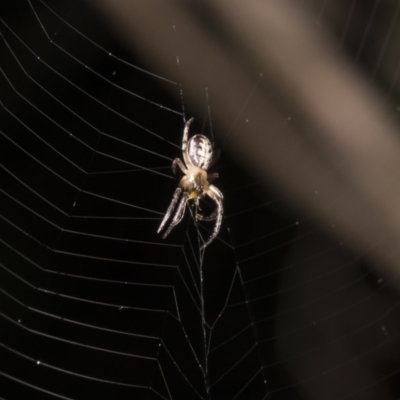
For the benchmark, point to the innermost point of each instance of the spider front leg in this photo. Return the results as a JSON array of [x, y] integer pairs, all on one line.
[[185, 141], [179, 213], [186, 133], [170, 208]]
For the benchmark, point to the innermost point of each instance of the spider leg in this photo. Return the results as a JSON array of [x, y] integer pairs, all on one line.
[[186, 133], [212, 177], [218, 197], [211, 217], [178, 163], [170, 208], [179, 213], [185, 141]]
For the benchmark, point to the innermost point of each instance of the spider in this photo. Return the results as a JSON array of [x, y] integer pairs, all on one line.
[[198, 157]]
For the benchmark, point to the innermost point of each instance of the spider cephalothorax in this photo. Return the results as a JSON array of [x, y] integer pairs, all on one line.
[[198, 156]]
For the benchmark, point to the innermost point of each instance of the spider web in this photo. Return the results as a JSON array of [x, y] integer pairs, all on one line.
[[95, 305]]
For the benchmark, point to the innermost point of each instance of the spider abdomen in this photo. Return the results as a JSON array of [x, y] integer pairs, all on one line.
[[200, 151]]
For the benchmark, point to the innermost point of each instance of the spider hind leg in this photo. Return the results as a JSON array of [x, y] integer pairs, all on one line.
[[217, 196], [178, 163], [211, 217]]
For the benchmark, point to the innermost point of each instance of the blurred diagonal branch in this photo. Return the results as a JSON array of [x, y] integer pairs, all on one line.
[[347, 172]]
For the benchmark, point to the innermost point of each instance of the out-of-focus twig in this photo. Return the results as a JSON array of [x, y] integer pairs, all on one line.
[[347, 172]]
